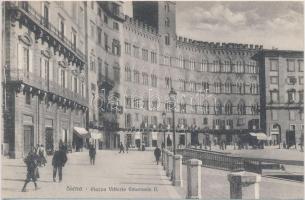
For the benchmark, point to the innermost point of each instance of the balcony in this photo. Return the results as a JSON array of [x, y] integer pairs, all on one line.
[[31, 79], [46, 31]]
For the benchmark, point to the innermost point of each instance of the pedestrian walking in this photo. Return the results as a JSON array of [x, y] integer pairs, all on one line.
[[127, 147], [59, 160], [92, 153], [157, 153], [121, 148], [42, 156], [31, 163]]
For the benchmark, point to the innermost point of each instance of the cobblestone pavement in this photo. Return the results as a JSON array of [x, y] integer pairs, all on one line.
[[132, 175], [215, 185]]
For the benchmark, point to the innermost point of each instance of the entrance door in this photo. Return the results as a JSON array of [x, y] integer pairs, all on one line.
[[49, 141], [290, 138], [28, 139], [194, 138]]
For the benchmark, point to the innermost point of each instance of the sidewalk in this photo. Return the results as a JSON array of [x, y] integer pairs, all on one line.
[[132, 175]]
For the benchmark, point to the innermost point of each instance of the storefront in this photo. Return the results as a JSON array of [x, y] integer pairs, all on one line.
[[80, 136]]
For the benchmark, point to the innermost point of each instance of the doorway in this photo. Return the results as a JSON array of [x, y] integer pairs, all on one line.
[[49, 141], [28, 138]]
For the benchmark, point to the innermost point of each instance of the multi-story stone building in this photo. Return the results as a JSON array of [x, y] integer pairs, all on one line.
[[45, 86], [282, 95], [87, 65]]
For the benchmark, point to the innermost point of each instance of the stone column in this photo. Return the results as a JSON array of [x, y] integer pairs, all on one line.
[[178, 171], [169, 164], [194, 179], [244, 185]]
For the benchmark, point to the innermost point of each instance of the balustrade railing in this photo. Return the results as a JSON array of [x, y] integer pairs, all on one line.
[[39, 82]]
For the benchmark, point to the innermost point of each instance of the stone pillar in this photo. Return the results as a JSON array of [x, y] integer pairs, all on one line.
[[169, 164], [244, 185], [193, 179], [178, 171]]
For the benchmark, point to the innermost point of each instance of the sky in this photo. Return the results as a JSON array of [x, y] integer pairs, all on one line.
[[271, 24]]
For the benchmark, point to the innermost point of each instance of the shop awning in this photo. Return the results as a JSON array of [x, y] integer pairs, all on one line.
[[137, 136], [81, 132], [259, 136], [154, 135]]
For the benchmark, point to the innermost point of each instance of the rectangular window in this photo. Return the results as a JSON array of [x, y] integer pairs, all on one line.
[[99, 35], [136, 102], [128, 102], [28, 98], [127, 48], [301, 65], [75, 85], [301, 98], [105, 19], [46, 15], [106, 42], [63, 78], [26, 60], [99, 11], [74, 39], [116, 74], [153, 57], [301, 80], [115, 26], [274, 79], [274, 96], [291, 115], [274, 65], [61, 27], [290, 66], [136, 51]]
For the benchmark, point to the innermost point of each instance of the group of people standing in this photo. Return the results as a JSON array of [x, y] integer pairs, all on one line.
[[37, 158]]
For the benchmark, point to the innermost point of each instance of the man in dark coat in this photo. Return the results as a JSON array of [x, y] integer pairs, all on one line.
[[31, 162], [121, 148], [157, 153], [59, 160], [92, 153]]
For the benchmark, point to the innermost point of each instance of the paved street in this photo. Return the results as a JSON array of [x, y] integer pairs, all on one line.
[[133, 171], [132, 175]]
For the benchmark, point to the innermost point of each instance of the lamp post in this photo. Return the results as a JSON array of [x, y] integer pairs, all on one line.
[[172, 96], [163, 116]]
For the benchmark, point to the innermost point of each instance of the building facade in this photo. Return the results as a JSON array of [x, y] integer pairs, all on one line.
[[283, 95], [87, 65], [45, 76]]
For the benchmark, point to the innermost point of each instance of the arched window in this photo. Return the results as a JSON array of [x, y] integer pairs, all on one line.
[[239, 87], [255, 108], [205, 108], [228, 86], [216, 66], [218, 107], [228, 108], [217, 86], [241, 108], [204, 66]]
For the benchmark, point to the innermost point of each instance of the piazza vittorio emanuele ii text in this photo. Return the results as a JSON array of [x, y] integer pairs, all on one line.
[[104, 99]]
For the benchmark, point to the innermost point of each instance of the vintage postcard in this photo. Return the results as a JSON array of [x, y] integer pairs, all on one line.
[[152, 99]]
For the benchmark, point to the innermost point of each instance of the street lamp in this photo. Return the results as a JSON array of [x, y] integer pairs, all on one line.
[[163, 117], [172, 96]]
